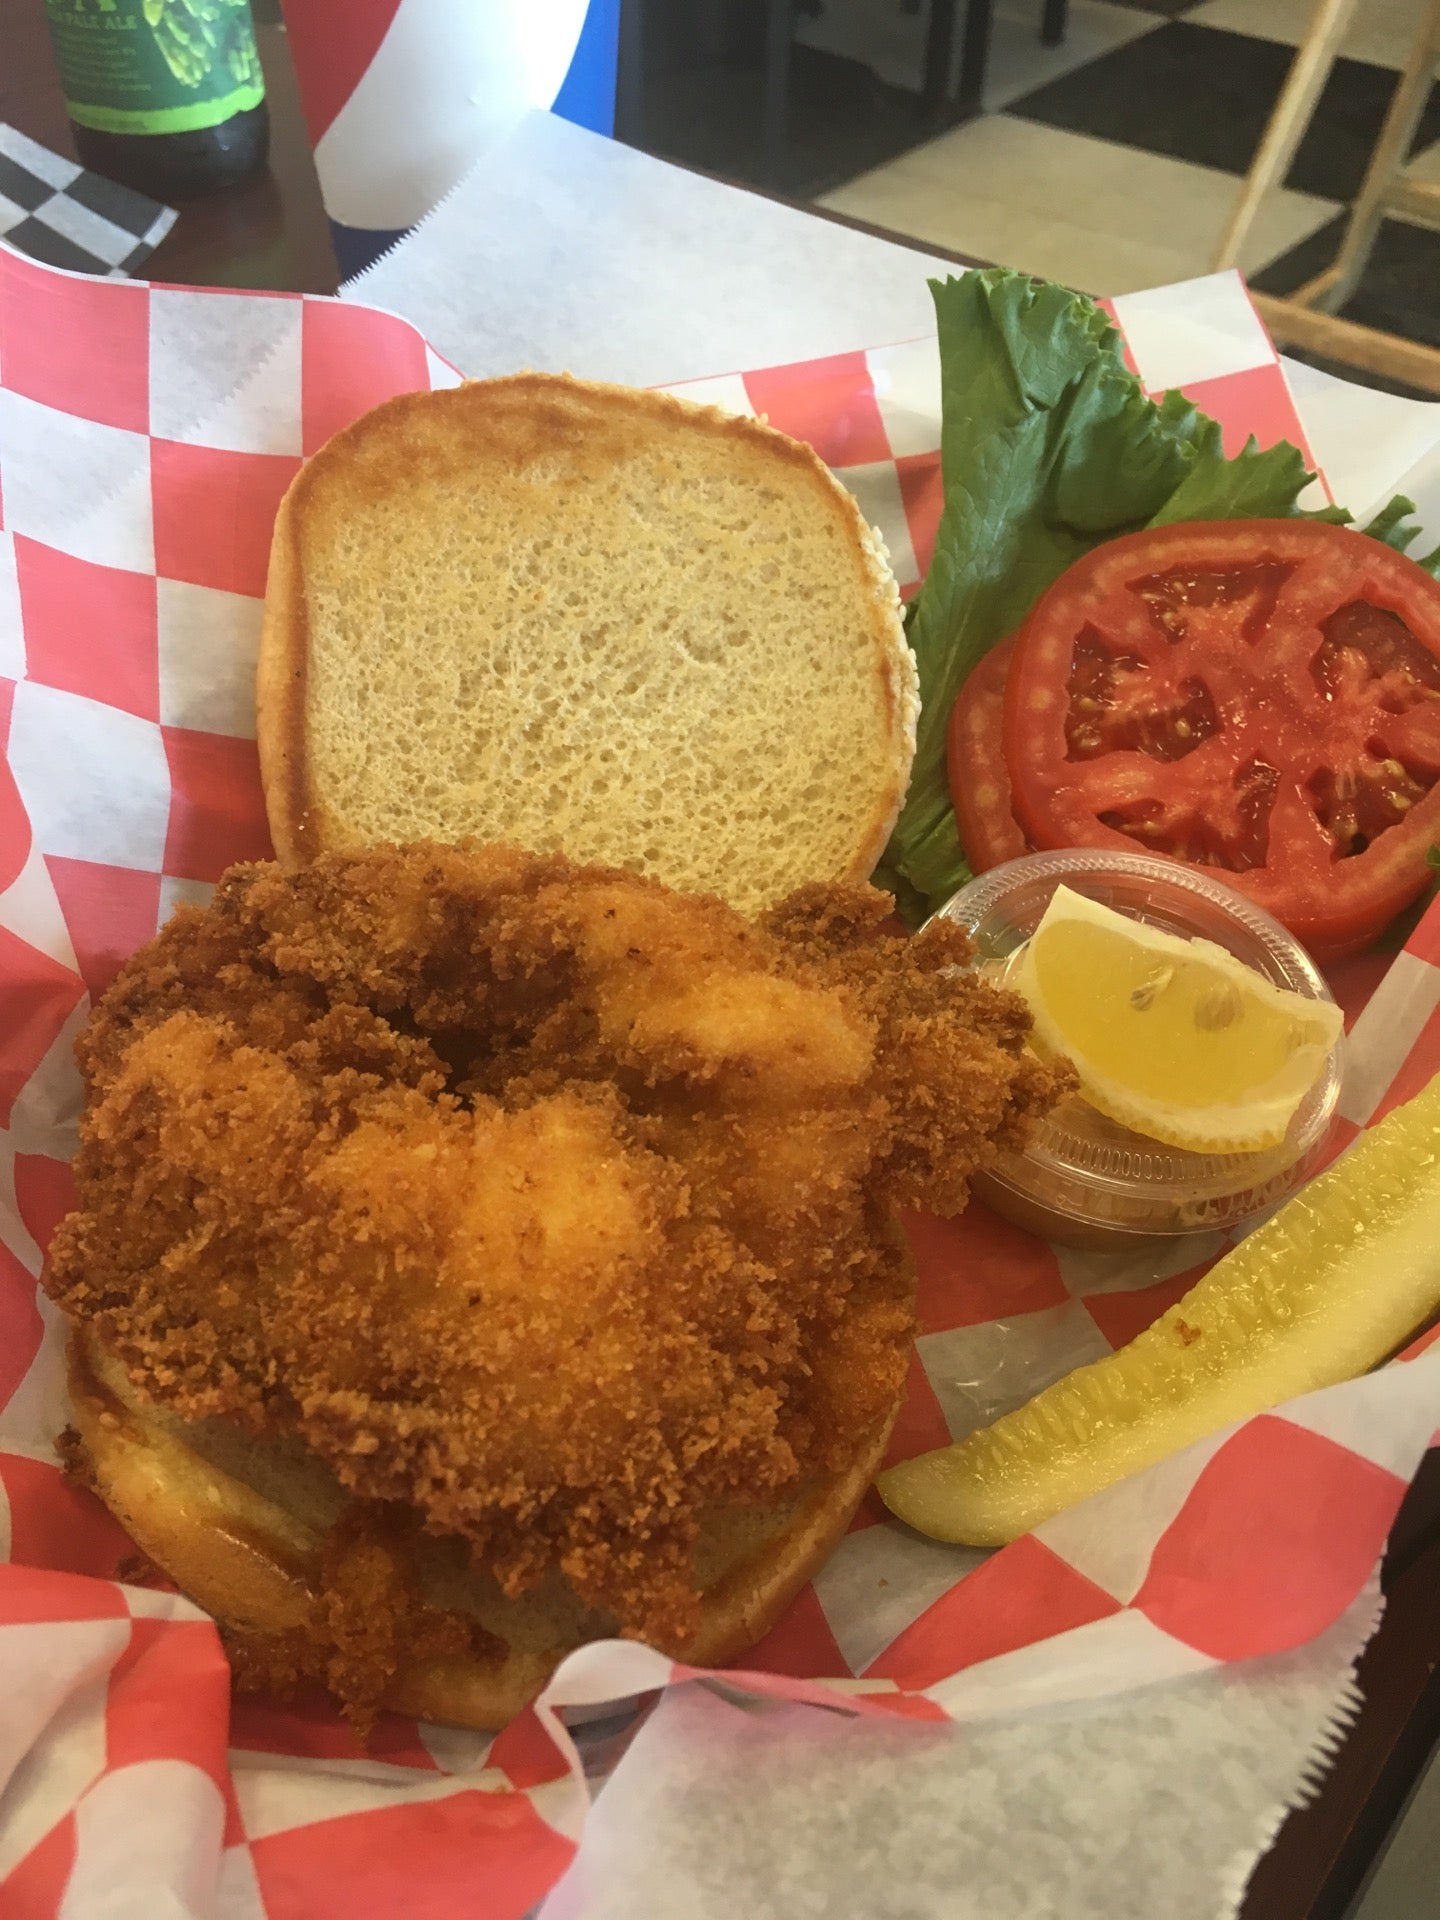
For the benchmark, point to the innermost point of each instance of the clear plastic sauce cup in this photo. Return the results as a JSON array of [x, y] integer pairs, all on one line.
[[1082, 1179]]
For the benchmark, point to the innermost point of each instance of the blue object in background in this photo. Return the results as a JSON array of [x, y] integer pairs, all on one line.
[[587, 94]]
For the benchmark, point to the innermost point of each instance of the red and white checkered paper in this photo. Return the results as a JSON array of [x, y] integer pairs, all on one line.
[[146, 435]]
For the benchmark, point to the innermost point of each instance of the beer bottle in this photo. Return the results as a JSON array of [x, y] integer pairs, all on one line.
[[166, 96]]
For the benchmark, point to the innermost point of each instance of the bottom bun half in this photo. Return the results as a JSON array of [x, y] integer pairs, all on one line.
[[240, 1526]]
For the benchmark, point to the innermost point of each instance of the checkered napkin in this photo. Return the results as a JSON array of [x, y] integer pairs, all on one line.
[[146, 435], [59, 212]]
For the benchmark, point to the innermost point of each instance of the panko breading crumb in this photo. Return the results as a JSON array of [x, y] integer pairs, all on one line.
[[538, 1201]]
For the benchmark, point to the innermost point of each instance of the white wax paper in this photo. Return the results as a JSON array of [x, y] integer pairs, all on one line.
[[1156, 1802], [569, 253]]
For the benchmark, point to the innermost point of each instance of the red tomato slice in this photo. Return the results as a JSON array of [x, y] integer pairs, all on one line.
[[1258, 696], [979, 781]]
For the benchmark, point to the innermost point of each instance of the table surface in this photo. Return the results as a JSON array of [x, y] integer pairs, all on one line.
[[271, 232]]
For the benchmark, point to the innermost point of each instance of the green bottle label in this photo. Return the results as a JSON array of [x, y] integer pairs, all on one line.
[[155, 66]]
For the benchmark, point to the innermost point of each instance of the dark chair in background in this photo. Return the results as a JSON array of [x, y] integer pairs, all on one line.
[[945, 105], [686, 66]]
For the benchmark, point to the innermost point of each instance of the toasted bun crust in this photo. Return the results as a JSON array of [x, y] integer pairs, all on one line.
[[584, 618], [244, 1540]]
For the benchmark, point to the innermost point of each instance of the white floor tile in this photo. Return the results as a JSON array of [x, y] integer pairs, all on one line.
[[1018, 63], [1104, 218], [1382, 31], [892, 43]]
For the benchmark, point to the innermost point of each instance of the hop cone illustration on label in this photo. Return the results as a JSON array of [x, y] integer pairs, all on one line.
[[203, 37]]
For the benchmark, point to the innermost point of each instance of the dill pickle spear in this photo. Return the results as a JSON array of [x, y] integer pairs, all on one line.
[[1321, 1292]]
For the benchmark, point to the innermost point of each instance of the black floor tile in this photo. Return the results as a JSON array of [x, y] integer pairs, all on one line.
[[1301, 263], [1197, 93], [1398, 293], [841, 120]]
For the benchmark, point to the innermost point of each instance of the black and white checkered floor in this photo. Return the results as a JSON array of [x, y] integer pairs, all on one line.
[[1113, 161]]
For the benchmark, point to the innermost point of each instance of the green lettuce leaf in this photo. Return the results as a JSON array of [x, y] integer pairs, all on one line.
[[1393, 526], [1048, 447]]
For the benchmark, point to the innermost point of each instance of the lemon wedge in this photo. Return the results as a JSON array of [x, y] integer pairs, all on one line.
[[1173, 1038], [1324, 1290]]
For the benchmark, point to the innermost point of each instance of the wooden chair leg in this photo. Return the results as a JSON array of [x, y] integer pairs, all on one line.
[[1389, 354], [1293, 112], [1334, 287], [1297, 321]]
